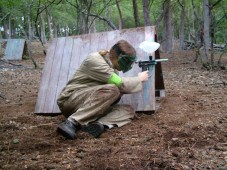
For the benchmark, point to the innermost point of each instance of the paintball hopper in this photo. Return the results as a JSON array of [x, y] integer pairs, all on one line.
[[149, 47]]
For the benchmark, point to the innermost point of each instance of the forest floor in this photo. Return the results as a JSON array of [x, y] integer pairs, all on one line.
[[189, 131]]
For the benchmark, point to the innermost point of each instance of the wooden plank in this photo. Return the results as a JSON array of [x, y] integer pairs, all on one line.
[[8, 51], [14, 49], [75, 57], [129, 36], [137, 97], [55, 71], [103, 41], [149, 94], [85, 47], [147, 102], [112, 38], [39, 108], [64, 70], [20, 48], [94, 42]]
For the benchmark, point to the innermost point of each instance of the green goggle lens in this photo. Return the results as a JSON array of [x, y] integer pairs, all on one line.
[[125, 62]]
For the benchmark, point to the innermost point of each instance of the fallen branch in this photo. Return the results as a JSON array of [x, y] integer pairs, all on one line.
[[46, 124], [221, 146], [14, 64], [223, 82]]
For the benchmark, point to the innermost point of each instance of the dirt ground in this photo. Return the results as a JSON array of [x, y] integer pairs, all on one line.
[[189, 130]]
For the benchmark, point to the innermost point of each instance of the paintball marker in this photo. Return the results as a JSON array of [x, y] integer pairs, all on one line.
[[149, 47]]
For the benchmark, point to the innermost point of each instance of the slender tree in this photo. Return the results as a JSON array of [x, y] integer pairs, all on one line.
[[206, 32], [120, 20], [146, 13], [167, 44], [135, 13], [182, 23], [49, 23]]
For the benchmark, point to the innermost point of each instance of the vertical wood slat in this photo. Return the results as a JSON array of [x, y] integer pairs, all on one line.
[[134, 38], [85, 47], [94, 42], [112, 38], [137, 97], [45, 77], [64, 69], [75, 56], [55, 70], [19, 49], [149, 86], [8, 51], [102, 42], [128, 36]]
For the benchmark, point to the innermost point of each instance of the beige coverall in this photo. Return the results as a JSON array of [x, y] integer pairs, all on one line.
[[87, 97]]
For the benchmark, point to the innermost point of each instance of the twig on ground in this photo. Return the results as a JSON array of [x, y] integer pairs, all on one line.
[[14, 64], [46, 124], [221, 146], [223, 82]]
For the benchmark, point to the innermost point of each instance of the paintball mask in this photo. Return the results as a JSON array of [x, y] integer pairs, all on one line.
[[125, 62]]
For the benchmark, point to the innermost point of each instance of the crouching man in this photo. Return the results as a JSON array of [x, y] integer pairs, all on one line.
[[89, 100]]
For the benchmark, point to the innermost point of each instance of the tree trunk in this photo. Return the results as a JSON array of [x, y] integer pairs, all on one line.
[[13, 29], [9, 32], [146, 13], [42, 31], [212, 25], [55, 29], [66, 31], [105, 15], [206, 32], [29, 25], [182, 21], [5, 29], [59, 30], [120, 25], [33, 30], [49, 24], [136, 13], [167, 44], [93, 27]]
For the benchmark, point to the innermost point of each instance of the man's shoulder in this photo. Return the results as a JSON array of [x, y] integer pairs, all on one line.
[[95, 57]]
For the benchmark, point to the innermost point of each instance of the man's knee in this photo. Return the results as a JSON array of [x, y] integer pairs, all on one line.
[[113, 90]]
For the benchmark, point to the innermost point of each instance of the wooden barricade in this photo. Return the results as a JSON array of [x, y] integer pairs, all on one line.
[[15, 49], [65, 54]]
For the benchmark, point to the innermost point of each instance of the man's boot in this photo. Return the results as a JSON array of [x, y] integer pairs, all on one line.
[[67, 129], [95, 129]]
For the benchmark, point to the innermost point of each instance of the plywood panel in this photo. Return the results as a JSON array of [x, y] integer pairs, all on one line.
[[75, 57], [148, 93], [66, 54], [46, 77], [14, 49], [64, 70], [54, 76]]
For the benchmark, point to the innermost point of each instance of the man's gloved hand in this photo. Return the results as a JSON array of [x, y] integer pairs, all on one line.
[[143, 76]]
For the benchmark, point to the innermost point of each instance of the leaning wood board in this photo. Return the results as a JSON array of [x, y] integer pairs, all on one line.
[[65, 54], [14, 49]]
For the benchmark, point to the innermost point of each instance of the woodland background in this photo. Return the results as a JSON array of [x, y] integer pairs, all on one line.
[[188, 131], [181, 24]]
